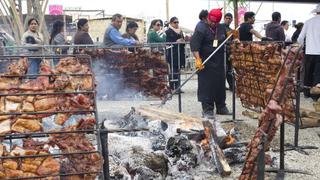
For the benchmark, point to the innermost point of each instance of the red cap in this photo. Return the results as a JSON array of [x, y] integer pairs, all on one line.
[[215, 15]]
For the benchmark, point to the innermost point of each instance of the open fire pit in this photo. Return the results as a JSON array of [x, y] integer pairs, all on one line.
[[175, 147]]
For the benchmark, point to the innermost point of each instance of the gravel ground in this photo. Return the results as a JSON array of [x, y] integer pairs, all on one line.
[[190, 106]]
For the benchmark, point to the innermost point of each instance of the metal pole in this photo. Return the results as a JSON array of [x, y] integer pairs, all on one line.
[[261, 162], [282, 131], [297, 114], [179, 78], [233, 95], [105, 154]]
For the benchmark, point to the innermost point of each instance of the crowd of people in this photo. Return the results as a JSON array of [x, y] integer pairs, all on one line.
[[209, 33]]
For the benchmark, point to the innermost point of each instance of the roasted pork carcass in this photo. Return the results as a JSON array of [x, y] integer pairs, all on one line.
[[26, 125], [31, 144], [42, 82], [86, 124], [27, 107], [61, 82], [49, 166], [5, 126], [47, 103], [19, 67], [81, 101]]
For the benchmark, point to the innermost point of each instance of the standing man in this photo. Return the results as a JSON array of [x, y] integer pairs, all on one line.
[[112, 36], [274, 29], [285, 26], [311, 32], [207, 36], [227, 21], [246, 29]]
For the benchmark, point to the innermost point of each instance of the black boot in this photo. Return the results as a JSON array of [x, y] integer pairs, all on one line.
[[207, 110], [223, 111]]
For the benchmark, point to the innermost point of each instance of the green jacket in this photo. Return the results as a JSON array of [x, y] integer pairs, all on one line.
[[153, 37]]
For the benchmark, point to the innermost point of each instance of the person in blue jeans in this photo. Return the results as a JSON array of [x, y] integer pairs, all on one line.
[[33, 38]]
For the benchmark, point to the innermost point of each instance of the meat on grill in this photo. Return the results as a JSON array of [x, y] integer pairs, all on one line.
[[142, 70], [270, 118]]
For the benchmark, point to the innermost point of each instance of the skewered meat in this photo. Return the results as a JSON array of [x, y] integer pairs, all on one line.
[[143, 71], [19, 67], [45, 104], [13, 173], [5, 126], [10, 164], [16, 99], [29, 168], [26, 125], [86, 124], [270, 118], [27, 107], [49, 167], [30, 144]]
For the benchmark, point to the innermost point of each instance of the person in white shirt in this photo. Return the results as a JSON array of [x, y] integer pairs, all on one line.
[[285, 26], [311, 34]]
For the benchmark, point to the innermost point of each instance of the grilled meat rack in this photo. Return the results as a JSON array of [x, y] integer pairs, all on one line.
[[31, 149], [257, 65]]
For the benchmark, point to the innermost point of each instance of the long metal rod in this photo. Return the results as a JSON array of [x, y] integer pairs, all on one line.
[[49, 93], [54, 175], [47, 155], [196, 71], [297, 118], [42, 134], [48, 112], [45, 134], [27, 75]]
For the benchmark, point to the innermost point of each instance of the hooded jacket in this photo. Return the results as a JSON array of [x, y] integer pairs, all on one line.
[[275, 31]]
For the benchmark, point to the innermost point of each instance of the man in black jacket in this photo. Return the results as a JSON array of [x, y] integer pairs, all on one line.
[[274, 29]]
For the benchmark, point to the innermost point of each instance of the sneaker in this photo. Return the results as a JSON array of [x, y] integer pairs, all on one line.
[[223, 111]]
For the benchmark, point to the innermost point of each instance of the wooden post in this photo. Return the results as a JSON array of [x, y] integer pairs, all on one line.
[[167, 10], [235, 12]]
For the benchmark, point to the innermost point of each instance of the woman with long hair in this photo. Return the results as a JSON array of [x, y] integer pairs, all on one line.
[[154, 34], [175, 55], [131, 31], [296, 34], [32, 37], [57, 37]]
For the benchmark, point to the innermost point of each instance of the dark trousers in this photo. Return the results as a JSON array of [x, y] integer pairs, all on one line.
[[311, 72], [34, 65], [211, 87]]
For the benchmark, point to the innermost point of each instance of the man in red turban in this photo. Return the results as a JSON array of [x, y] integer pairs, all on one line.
[[208, 35]]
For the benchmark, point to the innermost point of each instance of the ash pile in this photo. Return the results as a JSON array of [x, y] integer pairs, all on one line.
[[175, 146]]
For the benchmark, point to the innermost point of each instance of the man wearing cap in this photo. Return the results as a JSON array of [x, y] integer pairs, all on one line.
[[208, 35], [311, 33]]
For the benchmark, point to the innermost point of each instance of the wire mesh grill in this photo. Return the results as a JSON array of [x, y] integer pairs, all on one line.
[[49, 124]]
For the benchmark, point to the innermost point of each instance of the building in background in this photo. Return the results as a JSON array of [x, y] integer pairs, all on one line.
[[98, 26]]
